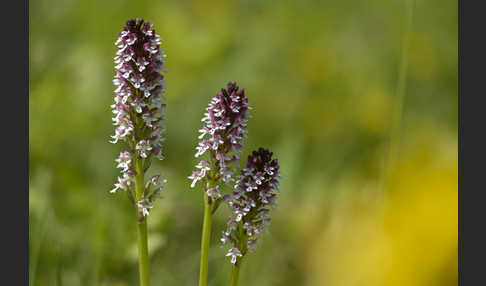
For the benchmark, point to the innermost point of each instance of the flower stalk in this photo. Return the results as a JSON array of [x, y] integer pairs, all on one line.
[[235, 272], [205, 239], [142, 240]]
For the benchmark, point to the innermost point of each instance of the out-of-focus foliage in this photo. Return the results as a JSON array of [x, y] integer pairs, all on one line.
[[323, 80]]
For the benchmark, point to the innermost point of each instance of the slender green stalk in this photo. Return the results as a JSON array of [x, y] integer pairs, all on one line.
[[235, 273], [141, 229], [242, 246], [206, 235]]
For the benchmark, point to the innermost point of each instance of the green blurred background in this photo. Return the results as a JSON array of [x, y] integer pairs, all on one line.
[[357, 99]]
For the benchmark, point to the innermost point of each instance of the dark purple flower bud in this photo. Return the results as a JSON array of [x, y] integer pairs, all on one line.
[[254, 196]]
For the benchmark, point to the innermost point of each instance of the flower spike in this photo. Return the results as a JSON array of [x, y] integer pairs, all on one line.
[[138, 106], [255, 194], [223, 131]]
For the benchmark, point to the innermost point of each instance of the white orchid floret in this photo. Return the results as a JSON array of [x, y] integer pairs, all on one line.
[[145, 205], [143, 146], [234, 253], [157, 181], [195, 176], [214, 192], [123, 183], [204, 166], [124, 161]]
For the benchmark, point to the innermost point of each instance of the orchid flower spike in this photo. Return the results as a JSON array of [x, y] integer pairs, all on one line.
[[138, 108], [254, 196], [223, 131]]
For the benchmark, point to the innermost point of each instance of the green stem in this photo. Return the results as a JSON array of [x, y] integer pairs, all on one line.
[[141, 229], [206, 235], [235, 273]]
